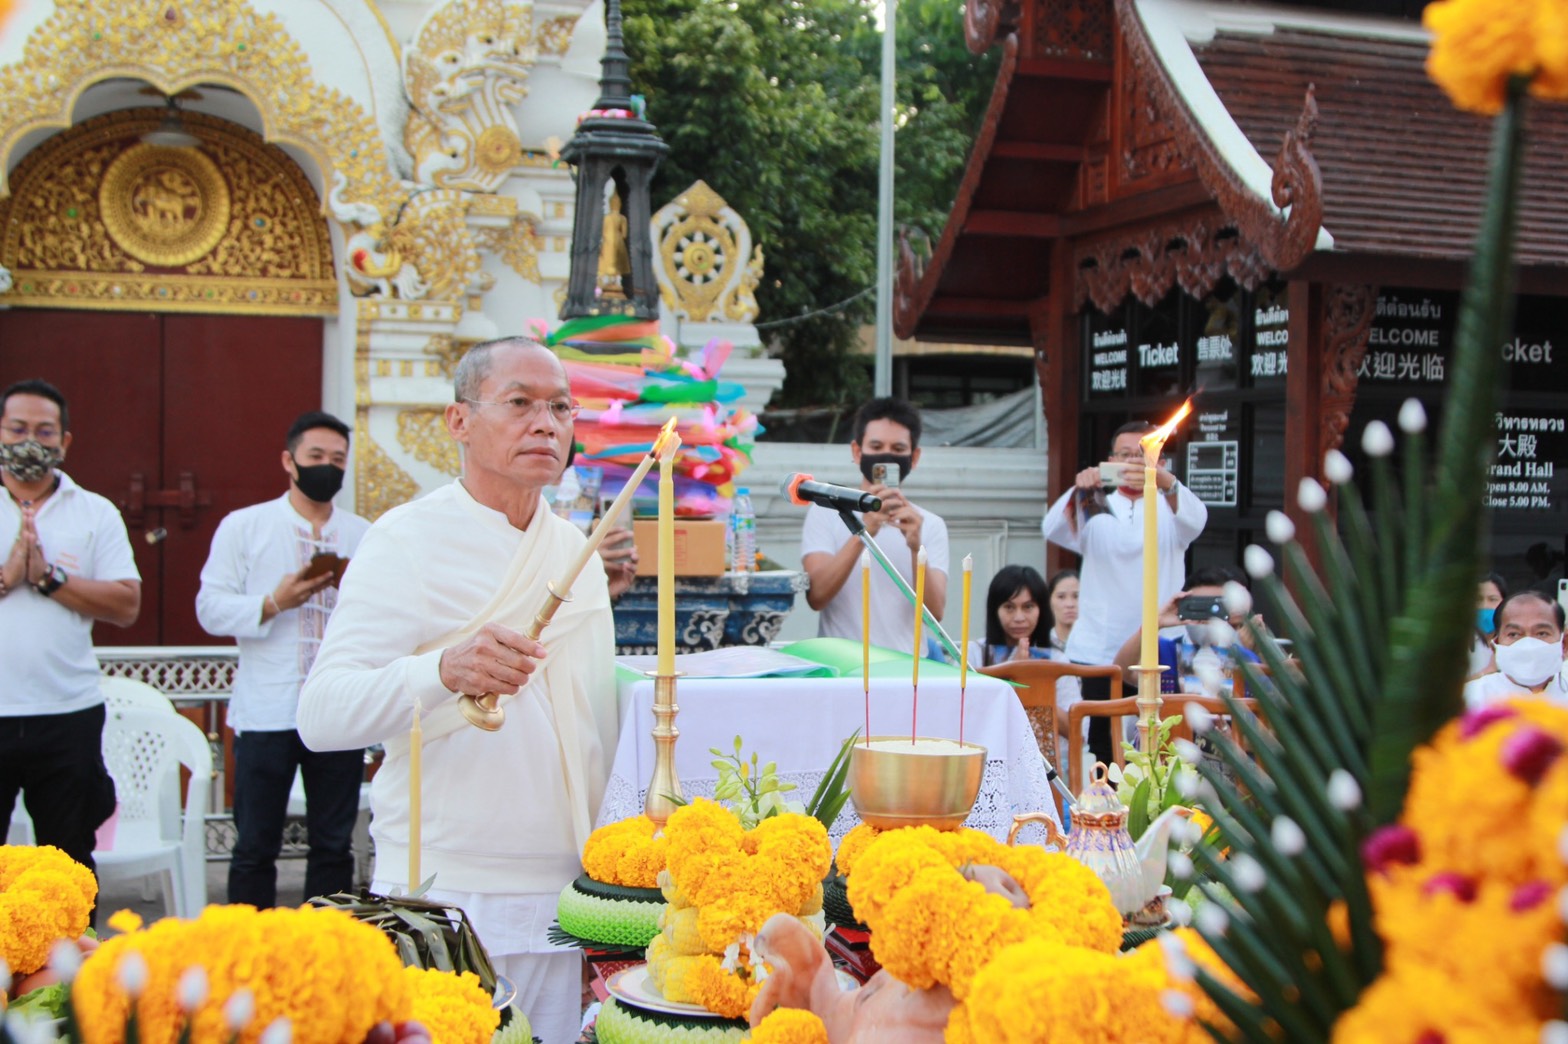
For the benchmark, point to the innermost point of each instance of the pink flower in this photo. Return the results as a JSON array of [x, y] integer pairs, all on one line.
[[1388, 846], [1457, 885], [1473, 723], [1529, 895], [1529, 753]]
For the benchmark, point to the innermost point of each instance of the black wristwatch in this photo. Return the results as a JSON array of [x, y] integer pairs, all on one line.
[[53, 580]]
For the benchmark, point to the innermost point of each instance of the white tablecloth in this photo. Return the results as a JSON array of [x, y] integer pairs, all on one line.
[[800, 724]]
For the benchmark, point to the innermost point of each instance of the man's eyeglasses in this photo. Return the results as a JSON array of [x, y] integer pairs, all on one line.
[[43, 433], [521, 407]]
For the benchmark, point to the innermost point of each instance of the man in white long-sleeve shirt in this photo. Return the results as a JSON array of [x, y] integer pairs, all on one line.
[[259, 587], [434, 605], [1106, 528]]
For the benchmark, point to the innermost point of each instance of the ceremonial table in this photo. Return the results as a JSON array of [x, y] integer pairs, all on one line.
[[800, 723]]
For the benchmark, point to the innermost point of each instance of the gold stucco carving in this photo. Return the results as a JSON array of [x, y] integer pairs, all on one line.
[[555, 35], [707, 268], [422, 434], [448, 351], [166, 207], [381, 484], [429, 252], [517, 244], [465, 67], [224, 42], [96, 219]]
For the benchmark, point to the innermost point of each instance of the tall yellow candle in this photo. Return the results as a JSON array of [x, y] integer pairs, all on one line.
[[666, 570], [416, 745], [963, 645], [920, 603], [865, 636], [1149, 652]]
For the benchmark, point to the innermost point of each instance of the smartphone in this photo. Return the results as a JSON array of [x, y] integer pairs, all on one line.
[[885, 475], [325, 562], [1111, 473], [1562, 593], [1201, 607]]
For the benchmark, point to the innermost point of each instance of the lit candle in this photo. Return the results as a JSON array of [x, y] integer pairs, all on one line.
[[1149, 653], [416, 743], [865, 635], [963, 646], [920, 602], [667, 554]]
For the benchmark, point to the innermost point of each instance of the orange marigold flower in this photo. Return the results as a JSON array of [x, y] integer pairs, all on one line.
[[1478, 45], [790, 1026], [45, 896], [452, 1007]]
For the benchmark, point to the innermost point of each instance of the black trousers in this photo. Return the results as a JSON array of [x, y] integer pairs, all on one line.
[[55, 761], [264, 765], [1100, 743]]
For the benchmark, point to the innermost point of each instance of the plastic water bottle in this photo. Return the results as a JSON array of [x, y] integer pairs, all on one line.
[[744, 522]]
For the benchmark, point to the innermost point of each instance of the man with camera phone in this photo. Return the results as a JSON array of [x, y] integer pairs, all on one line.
[[1105, 526]]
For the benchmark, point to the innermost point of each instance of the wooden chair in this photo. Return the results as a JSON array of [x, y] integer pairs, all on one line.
[[1038, 679], [1116, 709]]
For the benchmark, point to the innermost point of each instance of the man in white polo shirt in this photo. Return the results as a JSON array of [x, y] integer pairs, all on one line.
[[69, 564], [269, 583]]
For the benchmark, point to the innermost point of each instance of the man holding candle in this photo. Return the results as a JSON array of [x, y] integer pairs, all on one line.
[[1106, 527], [268, 584], [435, 606], [886, 431]]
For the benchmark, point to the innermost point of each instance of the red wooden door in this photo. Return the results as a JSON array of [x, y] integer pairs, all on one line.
[[165, 409]]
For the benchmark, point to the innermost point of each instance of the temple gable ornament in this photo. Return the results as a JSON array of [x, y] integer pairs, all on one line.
[[467, 64], [708, 270]]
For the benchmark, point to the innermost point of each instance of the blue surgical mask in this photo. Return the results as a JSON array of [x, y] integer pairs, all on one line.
[[1484, 620]]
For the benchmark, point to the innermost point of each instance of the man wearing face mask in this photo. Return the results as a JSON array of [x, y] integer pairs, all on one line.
[[261, 588], [1529, 646], [886, 431], [68, 564]]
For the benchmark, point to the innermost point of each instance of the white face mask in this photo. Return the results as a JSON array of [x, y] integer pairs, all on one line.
[[1529, 661]]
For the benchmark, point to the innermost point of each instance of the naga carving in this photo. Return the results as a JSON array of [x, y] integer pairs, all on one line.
[[428, 250], [1348, 310], [986, 21], [1283, 240], [467, 64]]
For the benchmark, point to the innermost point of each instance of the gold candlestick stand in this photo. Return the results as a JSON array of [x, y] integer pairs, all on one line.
[[664, 789], [1149, 703], [485, 710]]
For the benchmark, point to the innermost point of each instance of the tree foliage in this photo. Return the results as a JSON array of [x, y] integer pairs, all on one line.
[[774, 104]]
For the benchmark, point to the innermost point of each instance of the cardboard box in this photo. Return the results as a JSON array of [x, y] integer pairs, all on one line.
[[699, 547]]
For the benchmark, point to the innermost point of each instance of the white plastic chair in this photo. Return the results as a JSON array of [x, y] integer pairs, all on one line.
[[144, 750], [127, 692]]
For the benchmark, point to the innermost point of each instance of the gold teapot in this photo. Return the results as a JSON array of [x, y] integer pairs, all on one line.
[[1134, 872]]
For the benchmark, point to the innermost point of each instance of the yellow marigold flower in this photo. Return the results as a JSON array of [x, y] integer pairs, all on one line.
[[790, 1026], [45, 896], [721, 992], [452, 1007], [626, 853], [1410, 1003], [853, 845], [1479, 45], [125, 921], [332, 976], [1152, 955]]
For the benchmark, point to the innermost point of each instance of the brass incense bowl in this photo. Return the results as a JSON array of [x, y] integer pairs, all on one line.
[[899, 784]]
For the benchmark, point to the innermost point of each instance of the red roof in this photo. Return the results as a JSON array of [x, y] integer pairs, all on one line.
[[1404, 172]]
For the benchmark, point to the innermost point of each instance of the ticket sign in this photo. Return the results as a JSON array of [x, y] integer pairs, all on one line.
[[1214, 471], [1270, 335], [1536, 356]]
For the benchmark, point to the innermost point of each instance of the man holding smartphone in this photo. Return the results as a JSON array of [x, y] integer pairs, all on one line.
[[270, 583], [886, 447], [1105, 526]]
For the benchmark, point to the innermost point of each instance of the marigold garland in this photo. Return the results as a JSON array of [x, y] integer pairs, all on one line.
[[452, 1007], [1469, 880], [1479, 44], [790, 1026], [45, 896], [332, 976], [629, 853], [854, 846], [929, 925]]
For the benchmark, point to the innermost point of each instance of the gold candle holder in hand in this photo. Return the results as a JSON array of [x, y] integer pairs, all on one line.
[[484, 710], [664, 789]]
